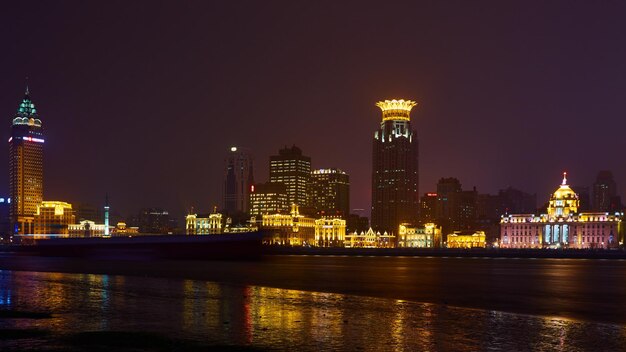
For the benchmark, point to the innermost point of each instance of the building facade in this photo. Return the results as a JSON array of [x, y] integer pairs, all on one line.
[[268, 198], [53, 218], [293, 169], [238, 179], [25, 167], [605, 193], [428, 236], [395, 194], [563, 226], [462, 239], [370, 239], [330, 232], [88, 228], [330, 192], [291, 229]]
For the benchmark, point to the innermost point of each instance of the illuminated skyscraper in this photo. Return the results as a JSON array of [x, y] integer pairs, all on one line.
[[25, 166], [330, 192], [292, 169], [395, 197], [238, 178]]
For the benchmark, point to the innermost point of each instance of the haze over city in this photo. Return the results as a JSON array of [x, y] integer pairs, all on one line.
[[143, 100]]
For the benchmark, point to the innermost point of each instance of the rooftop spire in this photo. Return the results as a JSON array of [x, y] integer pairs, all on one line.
[[564, 178]]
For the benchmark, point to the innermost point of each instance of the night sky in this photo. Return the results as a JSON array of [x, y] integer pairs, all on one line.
[[143, 99]]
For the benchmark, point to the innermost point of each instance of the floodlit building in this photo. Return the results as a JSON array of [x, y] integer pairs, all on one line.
[[428, 236], [210, 224], [87, 228], [53, 218], [395, 195], [25, 167], [461, 239], [563, 226], [330, 232], [291, 229], [121, 229], [330, 192], [370, 239]]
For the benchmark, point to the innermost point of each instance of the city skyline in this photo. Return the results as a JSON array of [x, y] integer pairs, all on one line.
[[482, 120]]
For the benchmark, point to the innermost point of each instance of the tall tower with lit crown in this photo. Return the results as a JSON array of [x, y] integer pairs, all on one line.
[[395, 194], [25, 166]]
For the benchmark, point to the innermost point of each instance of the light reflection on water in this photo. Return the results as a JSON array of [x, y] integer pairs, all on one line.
[[279, 318]]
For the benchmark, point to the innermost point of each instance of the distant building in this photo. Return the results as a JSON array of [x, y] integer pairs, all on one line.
[[357, 223], [428, 208], [268, 198], [208, 224], [53, 218], [25, 167], [238, 179], [5, 219], [370, 239], [330, 232], [291, 229], [605, 193], [121, 229], [563, 226], [87, 228], [455, 209], [154, 221], [330, 192], [293, 169], [395, 194], [84, 211], [428, 236], [466, 239]]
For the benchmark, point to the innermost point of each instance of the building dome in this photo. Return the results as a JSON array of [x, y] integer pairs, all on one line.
[[564, 200]]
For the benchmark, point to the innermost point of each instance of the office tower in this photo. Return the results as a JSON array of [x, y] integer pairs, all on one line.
[[25, 166], [268, 198], [395, 197], [330, 192], [428, 208], [604, 191], [239, 176], [292, 169]]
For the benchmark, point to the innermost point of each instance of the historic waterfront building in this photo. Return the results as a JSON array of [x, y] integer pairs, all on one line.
[[563, 226], [370, 239], [238, 179], [395, 196], [330, 192], [464, 239], [428, 236], [25, 167], [53, 218], [293, 229], [330, 232]]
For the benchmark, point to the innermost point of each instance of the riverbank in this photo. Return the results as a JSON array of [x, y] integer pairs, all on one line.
[[450, 252]]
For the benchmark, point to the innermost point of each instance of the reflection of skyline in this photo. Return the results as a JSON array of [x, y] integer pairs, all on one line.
[[271, 317]]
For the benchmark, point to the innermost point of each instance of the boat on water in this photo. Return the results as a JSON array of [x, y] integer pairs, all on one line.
[[240, 246]]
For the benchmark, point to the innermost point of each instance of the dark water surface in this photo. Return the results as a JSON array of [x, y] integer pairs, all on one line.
[[313, 303]]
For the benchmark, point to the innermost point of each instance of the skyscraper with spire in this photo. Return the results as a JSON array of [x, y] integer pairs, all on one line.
[[25, 166], [395, 195]]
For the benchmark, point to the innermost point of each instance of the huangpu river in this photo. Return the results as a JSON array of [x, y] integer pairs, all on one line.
[[306, 303]]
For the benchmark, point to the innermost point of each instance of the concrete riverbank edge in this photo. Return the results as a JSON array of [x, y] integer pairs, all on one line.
[[448, 252]]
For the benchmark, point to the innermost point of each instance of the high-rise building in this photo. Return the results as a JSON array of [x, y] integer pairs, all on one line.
[[293, 169], [25, 167], [239, 176], [395, 195], [268, 198], [330, 192], [604, 192]]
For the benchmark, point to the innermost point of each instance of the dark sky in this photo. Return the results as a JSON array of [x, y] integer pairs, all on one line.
[[143, 99]]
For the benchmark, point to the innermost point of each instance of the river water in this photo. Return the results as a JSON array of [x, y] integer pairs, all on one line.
[[328, 303]]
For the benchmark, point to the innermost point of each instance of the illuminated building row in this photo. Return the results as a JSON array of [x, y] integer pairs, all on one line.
[[563, 226]]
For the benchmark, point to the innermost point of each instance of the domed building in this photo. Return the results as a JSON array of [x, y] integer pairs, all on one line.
[[562, 226]]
